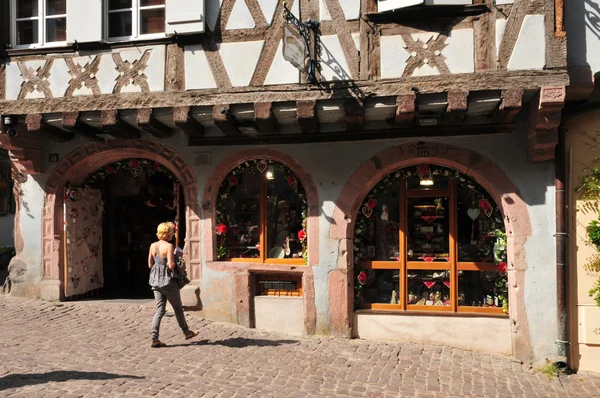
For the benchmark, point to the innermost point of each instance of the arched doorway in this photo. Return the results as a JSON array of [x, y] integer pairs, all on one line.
[[85, 164]]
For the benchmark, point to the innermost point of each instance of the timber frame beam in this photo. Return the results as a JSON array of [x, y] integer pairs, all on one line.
[[544, 119]]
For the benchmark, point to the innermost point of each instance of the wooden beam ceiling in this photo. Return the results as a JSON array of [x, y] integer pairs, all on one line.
[[225, 121], [264, 118], [355, 114], [509, 107], [457, 107], [36, 124], [307, 116], [72, 122], [186, 123], [147, 122], [118, 128], [405, 111]]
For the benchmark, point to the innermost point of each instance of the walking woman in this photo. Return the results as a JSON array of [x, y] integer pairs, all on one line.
[[161, 261]]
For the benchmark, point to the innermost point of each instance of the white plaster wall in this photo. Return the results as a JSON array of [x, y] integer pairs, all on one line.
[[351, 9], [279, 314], [7, 235], [530, 48], [240, 73], [282, 71], [485, 334], [195, 60], [460, 52], [240, 17], [393, 56], [583, 34], [30, 222]]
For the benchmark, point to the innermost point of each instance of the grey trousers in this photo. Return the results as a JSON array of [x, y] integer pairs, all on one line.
[[161, 295]]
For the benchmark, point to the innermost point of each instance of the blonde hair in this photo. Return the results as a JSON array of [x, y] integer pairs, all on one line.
[[164, 230]]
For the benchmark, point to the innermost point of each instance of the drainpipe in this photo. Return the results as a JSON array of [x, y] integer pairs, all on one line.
[[561, 252]]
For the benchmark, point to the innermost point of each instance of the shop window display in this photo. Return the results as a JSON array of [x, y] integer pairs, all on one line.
[[437, 237], [261, 214]]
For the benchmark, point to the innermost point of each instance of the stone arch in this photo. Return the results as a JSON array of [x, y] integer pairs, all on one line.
[[470, 163], [212, 187], [76, 166]]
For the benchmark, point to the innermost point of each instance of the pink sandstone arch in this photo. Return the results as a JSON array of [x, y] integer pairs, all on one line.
[[472, 164], [79, 163], [241, 270]]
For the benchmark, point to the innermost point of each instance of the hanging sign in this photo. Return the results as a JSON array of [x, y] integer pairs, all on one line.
[[294, 47]]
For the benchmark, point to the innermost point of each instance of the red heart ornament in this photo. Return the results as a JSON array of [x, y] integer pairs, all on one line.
[[367, 211], [429, 219], [428, 259], [447, 283], [429, 284], [261, 165], [429, 235]]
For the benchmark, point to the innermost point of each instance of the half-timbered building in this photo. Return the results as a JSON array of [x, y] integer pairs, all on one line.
[[380, 169]]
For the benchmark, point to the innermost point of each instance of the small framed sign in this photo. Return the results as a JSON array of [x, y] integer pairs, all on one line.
[[53, 157]]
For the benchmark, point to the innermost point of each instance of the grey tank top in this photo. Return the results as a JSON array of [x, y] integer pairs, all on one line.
[[160, 274]]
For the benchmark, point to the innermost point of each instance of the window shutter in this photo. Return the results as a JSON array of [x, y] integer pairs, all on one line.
[[184, 16], [387, 5], [84, 21]]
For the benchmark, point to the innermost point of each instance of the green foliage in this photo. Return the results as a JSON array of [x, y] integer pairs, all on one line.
[[221, 252], [593, 231], [550, 369], [8, 251], [589, 189]]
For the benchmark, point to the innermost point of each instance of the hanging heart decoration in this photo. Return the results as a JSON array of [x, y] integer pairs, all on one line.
[[429, 235], [367, 211], [447, 258], [136, 171], [428, 259], [429, 219], [473, 213], [261, 165], [447, 283], [486, 206], [429, 284]]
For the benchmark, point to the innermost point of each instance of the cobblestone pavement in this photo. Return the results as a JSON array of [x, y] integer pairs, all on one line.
[[92, 349]]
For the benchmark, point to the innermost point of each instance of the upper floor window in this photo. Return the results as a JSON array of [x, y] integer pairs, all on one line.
[[135, 18], [39, 22], [261, 213]]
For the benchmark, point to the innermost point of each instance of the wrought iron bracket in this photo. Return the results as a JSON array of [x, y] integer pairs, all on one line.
[[310, 33]]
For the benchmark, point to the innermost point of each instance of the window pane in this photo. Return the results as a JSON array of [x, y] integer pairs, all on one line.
[[119, 24], [56, 29], [482, 289], [478, 218], [428, 231], [238, 216], [152, 21], [27, 32], [56, 7], [285, 209], [429, 287], [119, 4], [382, 286], [377, 224], [146, 3], [27, 8]]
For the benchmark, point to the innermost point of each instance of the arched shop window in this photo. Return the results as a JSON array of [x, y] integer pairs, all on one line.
[[429, 238], [261, 213]]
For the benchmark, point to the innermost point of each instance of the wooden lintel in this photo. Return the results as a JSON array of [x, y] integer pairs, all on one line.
[[405, 109], [184, 121], [544, 119], [307, 116], [225, 121], [457, 107], [118, 128], [509, 107], [147, 122], [36, 124], [265, 119], [355, 114], [71, 122]]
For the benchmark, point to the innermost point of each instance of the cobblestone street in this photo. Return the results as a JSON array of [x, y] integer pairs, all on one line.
[[91, 349]]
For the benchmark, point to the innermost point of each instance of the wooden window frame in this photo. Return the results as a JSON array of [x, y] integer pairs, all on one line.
[[136, 19], [263, 259], [403, 265], [41, 18]]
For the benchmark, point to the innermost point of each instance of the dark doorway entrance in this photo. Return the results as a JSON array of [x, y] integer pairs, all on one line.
[[135, 203]]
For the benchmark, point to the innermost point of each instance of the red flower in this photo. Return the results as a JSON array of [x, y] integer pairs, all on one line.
[[362, 278], [108, 169], [134, 163], [233, 180], [221, 229], [156, 166], [484, 204], [371, 203], [423, 169], [291, 179], [302, 235], [502, 267]]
